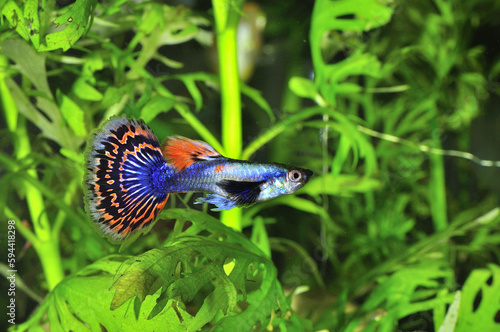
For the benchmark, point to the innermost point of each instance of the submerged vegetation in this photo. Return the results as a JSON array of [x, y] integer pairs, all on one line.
[[389, 234]]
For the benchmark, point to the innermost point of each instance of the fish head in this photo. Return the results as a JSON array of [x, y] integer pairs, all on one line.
[[287, 181], [296, 178]]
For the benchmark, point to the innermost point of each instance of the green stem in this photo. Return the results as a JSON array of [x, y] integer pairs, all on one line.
[[8, 103], [20, 227], [61, 214], [45, 246], [227, 16], [437, 185]]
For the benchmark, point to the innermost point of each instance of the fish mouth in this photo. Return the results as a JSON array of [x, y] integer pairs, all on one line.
[[307, 174]]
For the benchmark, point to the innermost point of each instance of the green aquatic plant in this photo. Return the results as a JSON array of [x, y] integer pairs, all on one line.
[[381, 238]]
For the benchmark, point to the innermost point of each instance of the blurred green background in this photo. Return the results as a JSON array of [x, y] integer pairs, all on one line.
[[392, 104]]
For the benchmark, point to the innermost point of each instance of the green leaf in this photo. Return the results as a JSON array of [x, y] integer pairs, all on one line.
[[46, 116], [173, 268], [77, 157], [15, 17], [85, 91], [82, 301], [152, 19], [343, 88], [303, 87], [73, 115], [156, 105], [256, 96], [480, 305], [30, 19], [364, 15], [259, 236], [279, 127], [33, 21], [357, 63], [73, 24], [344, 146], [189, 81], [265, 299], [407, 291], [341, 185]]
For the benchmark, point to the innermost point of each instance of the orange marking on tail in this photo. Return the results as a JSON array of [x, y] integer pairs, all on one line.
[[126, 135], [115, 146]]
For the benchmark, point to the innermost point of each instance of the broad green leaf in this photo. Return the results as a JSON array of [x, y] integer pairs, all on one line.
[[480, 304], [262, 300], [122, 293], [81, 302], [29, 22], [332, 75], [73, 24]]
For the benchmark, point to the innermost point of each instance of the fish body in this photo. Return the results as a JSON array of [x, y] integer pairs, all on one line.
[[129, 177]]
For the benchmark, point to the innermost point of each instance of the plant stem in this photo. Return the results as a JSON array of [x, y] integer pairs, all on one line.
[[46, 247], [437, 184], [226, 22]]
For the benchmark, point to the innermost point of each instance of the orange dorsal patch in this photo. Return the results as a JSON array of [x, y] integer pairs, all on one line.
[[182, 152]]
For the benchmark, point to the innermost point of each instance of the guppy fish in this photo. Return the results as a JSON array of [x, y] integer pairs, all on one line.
[[129, 177]]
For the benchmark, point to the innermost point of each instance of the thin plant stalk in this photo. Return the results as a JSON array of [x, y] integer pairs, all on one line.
[[45, 245], [226, 22], [437, 184]]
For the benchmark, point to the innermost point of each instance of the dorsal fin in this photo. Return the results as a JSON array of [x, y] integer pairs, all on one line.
[[182, 152]]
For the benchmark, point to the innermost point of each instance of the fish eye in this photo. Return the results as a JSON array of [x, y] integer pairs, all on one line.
[[294, 175]]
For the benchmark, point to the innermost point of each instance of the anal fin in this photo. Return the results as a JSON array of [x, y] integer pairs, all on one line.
[[222, 203]]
